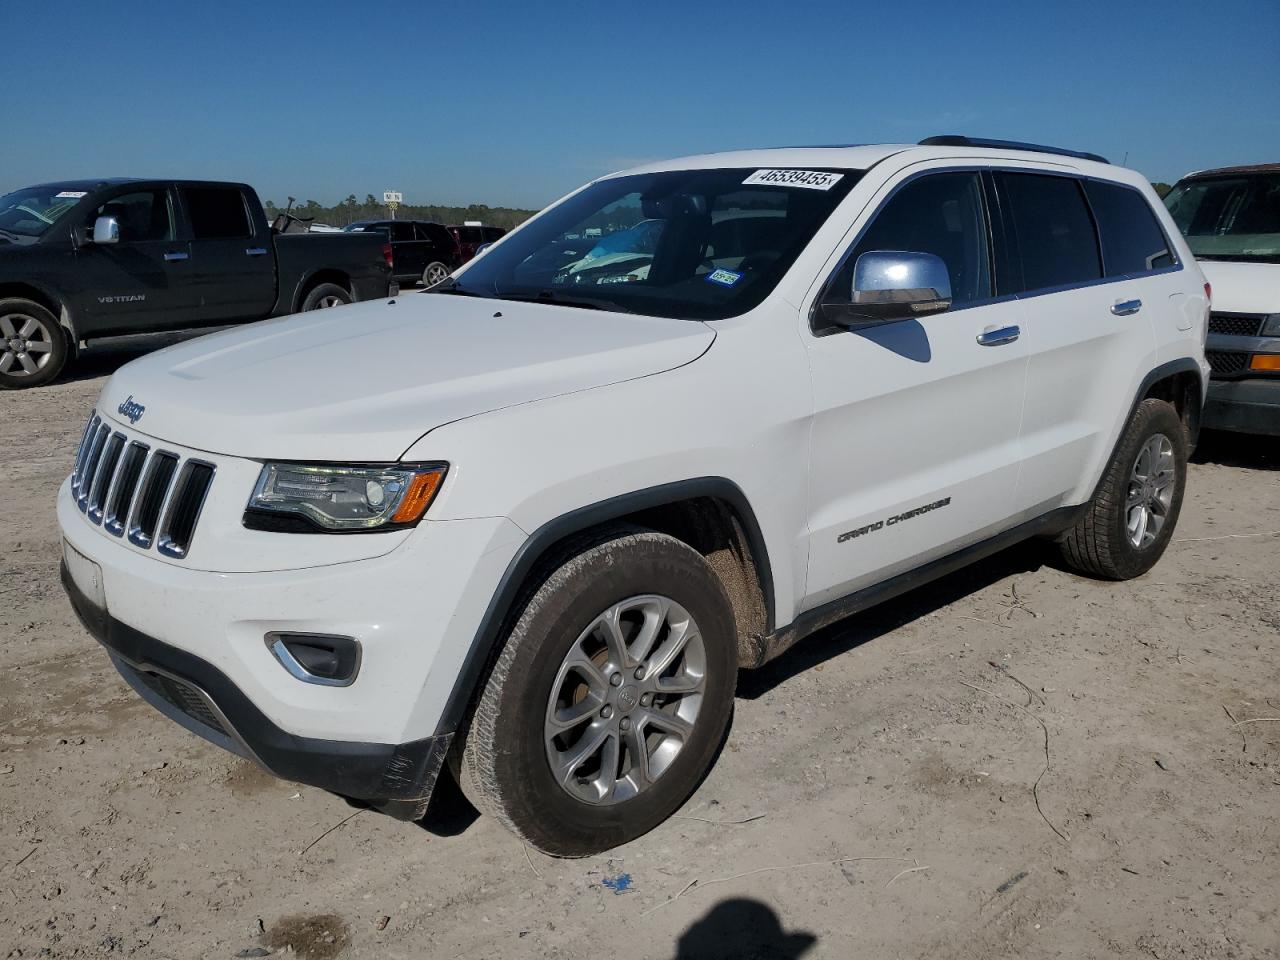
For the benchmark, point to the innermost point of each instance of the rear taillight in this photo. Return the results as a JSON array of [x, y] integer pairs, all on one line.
[[386, 255], [1208, 306], [1208, 291]]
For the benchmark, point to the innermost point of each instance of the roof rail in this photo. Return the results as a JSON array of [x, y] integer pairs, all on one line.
[[957, 140]]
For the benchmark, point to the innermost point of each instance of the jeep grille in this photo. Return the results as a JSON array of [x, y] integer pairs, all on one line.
[[152, 496]]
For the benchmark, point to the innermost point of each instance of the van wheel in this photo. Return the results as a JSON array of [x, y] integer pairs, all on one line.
[[1127, 525], [33, 346], [326, 295], [609, 700], [435, 273]]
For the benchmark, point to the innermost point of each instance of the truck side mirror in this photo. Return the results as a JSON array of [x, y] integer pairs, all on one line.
[[106, 230]]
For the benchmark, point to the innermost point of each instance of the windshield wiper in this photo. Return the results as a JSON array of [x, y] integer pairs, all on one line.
[[551, 296]]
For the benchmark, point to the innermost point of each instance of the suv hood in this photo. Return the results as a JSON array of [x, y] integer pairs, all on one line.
[[364, 382], [1240, 287]]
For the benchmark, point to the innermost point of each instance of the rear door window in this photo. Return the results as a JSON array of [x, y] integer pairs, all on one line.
[[401, 232], [1056, 241], [1132, 241], [216, 213]]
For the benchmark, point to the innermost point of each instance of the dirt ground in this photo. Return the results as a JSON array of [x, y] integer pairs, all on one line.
[[877, 797]]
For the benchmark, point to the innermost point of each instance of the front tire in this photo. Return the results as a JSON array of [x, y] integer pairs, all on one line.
[[609, 700], [33, 346], [1129, 521], [326, 295], [434, 274]]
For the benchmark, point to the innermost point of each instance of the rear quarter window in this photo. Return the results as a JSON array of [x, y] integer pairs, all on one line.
[[1132, 240], [1056, 242]]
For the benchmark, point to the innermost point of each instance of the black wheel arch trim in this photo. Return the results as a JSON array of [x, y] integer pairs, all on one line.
[[488, 634], [1169, 369]]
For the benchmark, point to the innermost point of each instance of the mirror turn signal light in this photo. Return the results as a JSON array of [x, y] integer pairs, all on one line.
[[1265, 361]]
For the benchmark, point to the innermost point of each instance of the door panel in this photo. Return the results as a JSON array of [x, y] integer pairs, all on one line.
[[915, 448], [141, 283], [233, 271]]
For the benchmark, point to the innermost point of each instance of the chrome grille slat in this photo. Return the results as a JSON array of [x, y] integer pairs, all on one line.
[[121, 499], [107, 465], [91, 466], [152, 498]]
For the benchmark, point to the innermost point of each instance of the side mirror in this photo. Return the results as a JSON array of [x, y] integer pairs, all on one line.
[[106, 230], [891, 285]]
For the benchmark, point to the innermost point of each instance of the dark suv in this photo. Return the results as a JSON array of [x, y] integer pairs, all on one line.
[[420, 249], [469, 237]]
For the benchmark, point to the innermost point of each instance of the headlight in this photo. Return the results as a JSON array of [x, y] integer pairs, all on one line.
[[1271, 326], [342, 498]]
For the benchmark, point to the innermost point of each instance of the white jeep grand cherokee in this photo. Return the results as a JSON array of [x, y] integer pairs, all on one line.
[[523, 530]]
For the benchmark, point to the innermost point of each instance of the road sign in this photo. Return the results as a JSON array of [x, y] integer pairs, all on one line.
[[393, 196]]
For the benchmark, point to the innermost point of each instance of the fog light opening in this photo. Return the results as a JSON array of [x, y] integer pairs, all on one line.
[[323, 659]]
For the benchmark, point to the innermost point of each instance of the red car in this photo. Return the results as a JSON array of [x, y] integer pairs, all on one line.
[[470, 236]]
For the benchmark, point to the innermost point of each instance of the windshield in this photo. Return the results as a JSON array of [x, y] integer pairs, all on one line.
[[694, 244], [25, 215], [1229, 217]]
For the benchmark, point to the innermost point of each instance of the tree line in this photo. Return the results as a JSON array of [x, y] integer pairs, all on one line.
[[350, 210]]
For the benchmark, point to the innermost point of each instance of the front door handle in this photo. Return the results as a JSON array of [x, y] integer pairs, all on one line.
[[994, 336], [171, 257], [1126, 308], [256, 252]]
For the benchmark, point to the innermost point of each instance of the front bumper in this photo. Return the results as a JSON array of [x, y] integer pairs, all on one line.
[[1244, 406], [398, 777]]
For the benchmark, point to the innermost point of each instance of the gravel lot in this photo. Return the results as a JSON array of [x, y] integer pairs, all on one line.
[[887, 772]]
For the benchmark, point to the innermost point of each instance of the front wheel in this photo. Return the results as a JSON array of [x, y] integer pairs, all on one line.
[[326, 295], [609, 700], [435, 273], [33, 347], [1128, 523]]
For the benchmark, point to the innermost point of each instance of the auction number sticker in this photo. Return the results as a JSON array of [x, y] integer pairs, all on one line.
[[808, 179], [71, 195]]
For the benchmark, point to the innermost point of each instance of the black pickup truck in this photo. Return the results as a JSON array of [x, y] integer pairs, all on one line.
[[90, 259]]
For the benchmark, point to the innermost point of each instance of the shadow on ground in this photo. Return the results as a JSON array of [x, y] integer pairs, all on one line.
[[742, 929], [1238, 450], [864, 627]]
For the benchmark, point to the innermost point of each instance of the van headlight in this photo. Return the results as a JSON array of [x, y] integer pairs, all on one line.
[[1271, 326], [294, 497]]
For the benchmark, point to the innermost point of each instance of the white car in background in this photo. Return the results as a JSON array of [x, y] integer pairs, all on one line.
[[1231, 219], [524, 529]]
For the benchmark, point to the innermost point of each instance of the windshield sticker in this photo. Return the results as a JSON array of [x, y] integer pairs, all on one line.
[[71, 194], [726, 278], [809, 179]]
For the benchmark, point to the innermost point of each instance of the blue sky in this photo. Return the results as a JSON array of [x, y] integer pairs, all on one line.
[[514, 103]]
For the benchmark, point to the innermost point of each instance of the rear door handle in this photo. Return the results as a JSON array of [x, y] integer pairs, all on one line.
[[171, 257], [1126, 308], [256, 251], [994, 336]]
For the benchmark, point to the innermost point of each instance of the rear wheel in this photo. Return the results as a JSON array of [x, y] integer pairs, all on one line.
[[610, 698], [33, 346], [326, 295], [435, 273], [1130, 520]]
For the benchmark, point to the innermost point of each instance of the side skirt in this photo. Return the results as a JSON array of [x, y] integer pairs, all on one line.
[[777, 642]]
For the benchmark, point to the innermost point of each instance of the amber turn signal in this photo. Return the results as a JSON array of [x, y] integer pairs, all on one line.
[[422, 490], [1265, 361]]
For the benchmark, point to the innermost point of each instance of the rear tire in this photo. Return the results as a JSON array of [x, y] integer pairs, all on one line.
[[326, 295], [541, 706], [435, 273], [33, 345], [1128, 523]]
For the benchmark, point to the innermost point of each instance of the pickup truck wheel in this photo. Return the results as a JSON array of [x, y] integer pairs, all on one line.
[[33, 347], [326, 295], [609, 700], [1127, 525], [435, 273]]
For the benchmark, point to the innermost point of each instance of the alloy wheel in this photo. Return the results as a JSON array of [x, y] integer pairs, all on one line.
[[1150, 493], [27, 345], [625, 700]]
